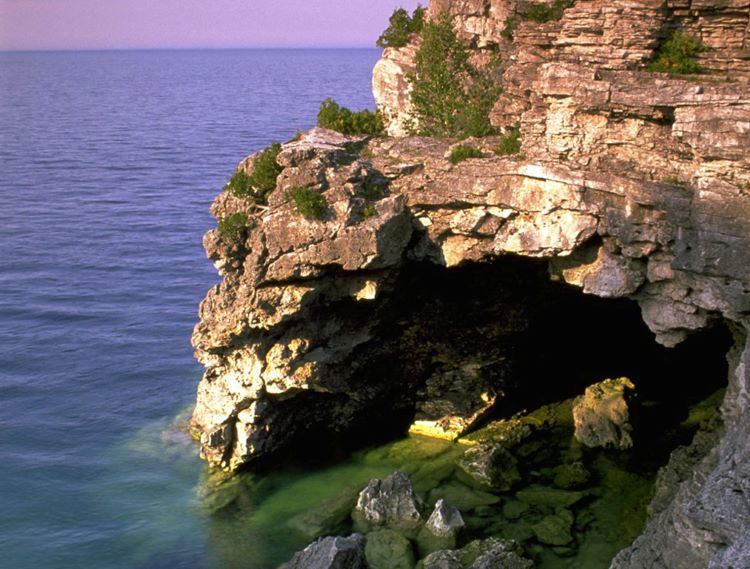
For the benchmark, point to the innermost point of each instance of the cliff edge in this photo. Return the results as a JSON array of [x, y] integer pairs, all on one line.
[[628, 184]]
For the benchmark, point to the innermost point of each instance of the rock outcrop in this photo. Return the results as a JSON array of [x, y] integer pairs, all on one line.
[[601, 414], [630, 184]]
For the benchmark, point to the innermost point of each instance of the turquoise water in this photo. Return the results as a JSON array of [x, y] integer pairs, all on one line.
[[108, 163]]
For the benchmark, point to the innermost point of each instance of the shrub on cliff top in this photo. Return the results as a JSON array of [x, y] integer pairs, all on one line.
[[450, 97], [678, 55], [464, 152], [400, 27], [345, 121], [308, 203], [262, 181]]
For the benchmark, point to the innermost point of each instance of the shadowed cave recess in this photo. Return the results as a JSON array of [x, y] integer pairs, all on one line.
[[531, 340]]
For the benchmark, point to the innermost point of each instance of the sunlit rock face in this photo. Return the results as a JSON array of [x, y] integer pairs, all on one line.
[[629, 184]]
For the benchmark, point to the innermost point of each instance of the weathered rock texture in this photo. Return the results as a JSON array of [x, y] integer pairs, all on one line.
[[630, 184], [601, 414]]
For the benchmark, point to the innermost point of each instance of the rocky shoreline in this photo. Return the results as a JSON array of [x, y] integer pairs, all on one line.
[[629, 184]]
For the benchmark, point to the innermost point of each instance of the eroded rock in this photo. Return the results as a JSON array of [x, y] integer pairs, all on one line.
[[601, 415], [389, 502]]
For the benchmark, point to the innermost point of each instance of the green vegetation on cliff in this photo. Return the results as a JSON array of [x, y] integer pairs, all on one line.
[[401, 26], [542, 13], [510, 143], [233, 227], [345, 121], [450, 97], [262, 181], [464, 152], [678, 55], [308, 203]]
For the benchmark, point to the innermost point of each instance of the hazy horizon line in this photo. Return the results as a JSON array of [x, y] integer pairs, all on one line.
[[250, 48]]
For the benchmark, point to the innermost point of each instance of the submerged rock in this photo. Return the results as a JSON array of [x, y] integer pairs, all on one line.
[[601, 414], [444, 559], [555, 529], [463, 497], [546, 496], [491, 553], [491, 467], [571, 475], [389, 502], [388, 549], [327, 516], [331, 553]]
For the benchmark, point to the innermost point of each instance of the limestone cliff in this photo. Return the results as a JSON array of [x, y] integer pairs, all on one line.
[[630, 184]]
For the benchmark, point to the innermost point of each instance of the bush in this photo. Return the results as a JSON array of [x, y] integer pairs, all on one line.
[[262, 181], [369, 211], [341, 119], [509, 143], [233, 226], [542, 13], [464, 152], [678, 55], [442, 105], [309, 203], [400, 27]]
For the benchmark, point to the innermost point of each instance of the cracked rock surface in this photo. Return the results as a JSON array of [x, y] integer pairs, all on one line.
[[630, 184]]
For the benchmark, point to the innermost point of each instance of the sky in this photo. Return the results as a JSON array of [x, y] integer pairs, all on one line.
[[174, 24]]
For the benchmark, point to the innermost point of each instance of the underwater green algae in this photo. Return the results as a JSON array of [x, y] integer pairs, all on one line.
[[569, 506]]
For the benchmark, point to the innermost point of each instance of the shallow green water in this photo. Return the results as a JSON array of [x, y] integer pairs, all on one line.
[[252, 521]]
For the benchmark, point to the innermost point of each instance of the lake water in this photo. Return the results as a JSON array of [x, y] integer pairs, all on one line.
[[108, 164]]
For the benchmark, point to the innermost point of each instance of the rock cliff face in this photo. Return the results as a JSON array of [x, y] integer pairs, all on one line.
[[630, 184]]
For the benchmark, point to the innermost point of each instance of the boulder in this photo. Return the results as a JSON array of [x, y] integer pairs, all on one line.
[[601, 414], [391, 503], [331, 553], [441, 530]]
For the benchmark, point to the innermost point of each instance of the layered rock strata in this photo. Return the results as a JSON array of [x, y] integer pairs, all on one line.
[[630, 184]]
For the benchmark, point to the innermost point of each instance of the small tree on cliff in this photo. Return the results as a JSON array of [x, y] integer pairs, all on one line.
[[450, 97], [400, 27]]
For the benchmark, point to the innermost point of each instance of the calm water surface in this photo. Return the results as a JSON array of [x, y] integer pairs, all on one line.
[[108, 163]]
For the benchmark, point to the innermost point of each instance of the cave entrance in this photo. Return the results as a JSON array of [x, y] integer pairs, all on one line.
[[531, 341], [506, 325]]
